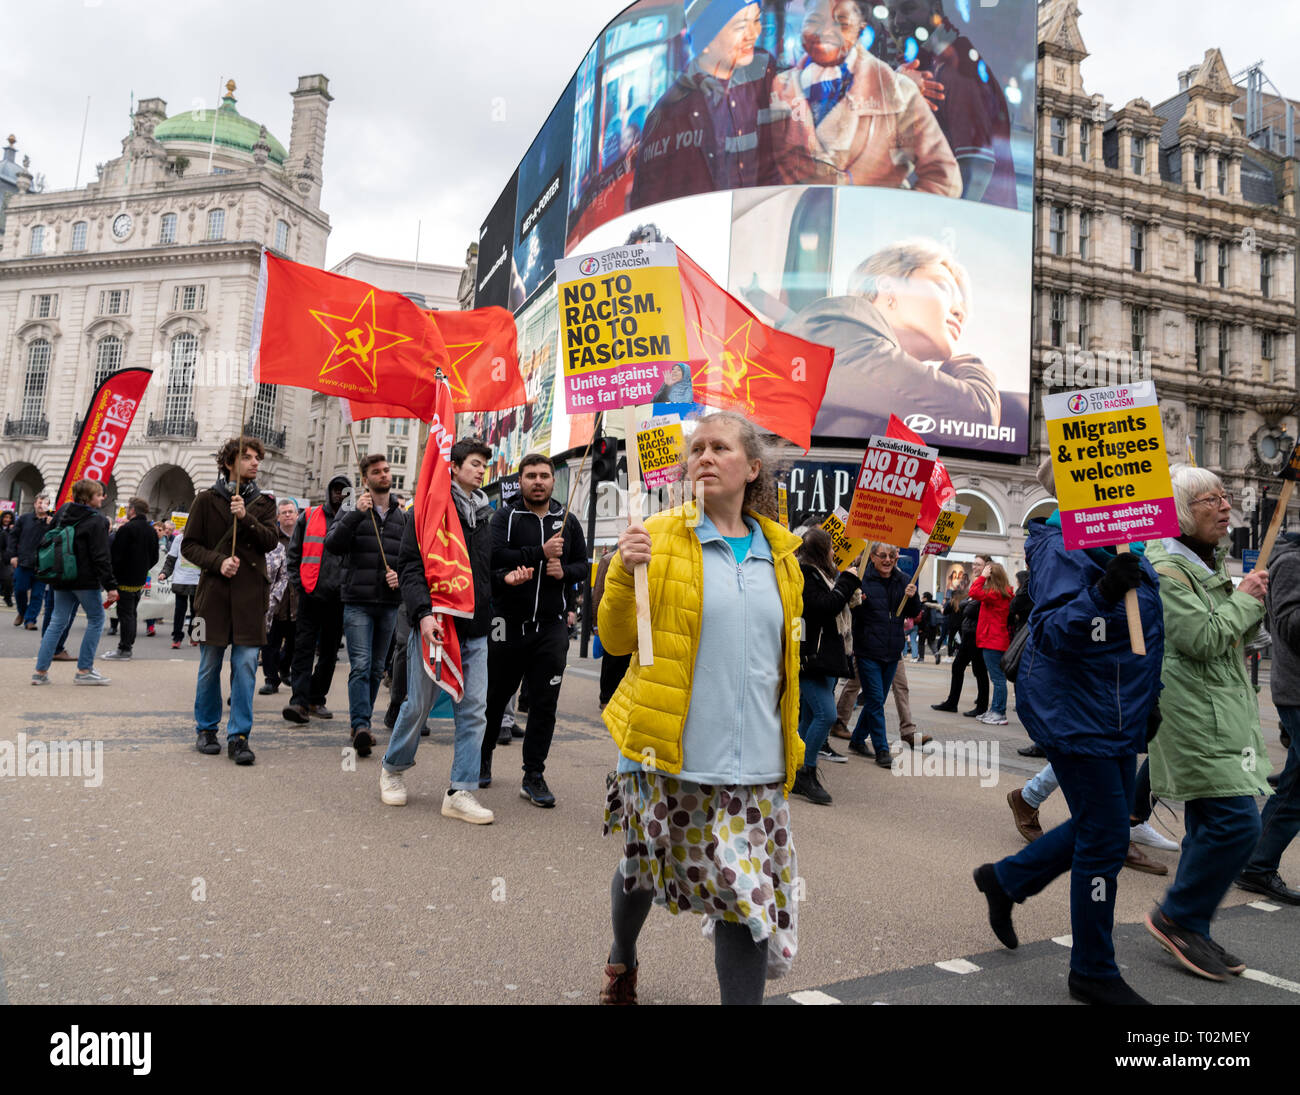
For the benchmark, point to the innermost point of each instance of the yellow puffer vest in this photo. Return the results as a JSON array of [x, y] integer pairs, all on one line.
[[647, 715]]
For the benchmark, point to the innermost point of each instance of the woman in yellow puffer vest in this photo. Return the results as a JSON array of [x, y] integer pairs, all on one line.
[[701, 788]]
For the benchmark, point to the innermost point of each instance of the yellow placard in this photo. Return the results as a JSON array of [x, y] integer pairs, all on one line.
[[659, 448], [178, 520], [947, 525], [843, 546], [622, 324]]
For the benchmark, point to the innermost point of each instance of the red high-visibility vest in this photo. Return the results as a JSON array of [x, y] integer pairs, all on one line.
[[313, 547]]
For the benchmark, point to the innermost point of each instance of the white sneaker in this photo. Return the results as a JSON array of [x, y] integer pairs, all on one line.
[[995, 720], [983, 718], [1145, 834], [465, 806], [392, 788]]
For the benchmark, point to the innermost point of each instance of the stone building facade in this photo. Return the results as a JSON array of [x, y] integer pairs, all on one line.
[[155, 264]]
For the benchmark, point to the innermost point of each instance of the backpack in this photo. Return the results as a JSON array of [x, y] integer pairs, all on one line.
[[56, 561]]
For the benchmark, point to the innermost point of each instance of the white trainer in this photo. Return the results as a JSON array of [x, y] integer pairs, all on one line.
[[465, 806], [1145, 834], [392, 788]]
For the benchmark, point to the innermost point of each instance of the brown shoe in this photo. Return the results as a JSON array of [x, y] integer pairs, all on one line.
[[1026, 817], [620, 985], [911, 736], [1140, 861], [320, 711], [62, 656], [30, 627], [839, 730], [295, 712]]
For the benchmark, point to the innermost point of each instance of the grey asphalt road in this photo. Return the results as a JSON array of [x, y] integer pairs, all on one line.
[[182, 878]]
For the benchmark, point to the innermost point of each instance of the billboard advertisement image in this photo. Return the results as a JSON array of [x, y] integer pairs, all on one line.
[[859, 174]]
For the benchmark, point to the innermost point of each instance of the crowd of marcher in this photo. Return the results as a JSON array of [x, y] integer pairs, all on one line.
[[771, 628]]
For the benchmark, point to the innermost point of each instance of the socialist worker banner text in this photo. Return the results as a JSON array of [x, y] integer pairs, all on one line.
[[891, 483], [1111, 465], [622, 325]]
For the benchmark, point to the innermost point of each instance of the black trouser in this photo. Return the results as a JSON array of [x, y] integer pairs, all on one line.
[[968, 654], [320, 621], [397, 689], [128, 602], [537, 657], [277, 654], [613, 667], [184, 595]]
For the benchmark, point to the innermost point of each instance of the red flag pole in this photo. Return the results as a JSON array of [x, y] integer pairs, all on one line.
[[375, 524]]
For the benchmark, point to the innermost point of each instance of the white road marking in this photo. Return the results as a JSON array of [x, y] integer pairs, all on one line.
[[1064, 940], [1268, 979], [958, 965], [812, 996], [1264, 906]]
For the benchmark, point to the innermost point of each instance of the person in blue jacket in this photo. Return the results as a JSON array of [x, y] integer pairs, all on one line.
[[1092, 704]]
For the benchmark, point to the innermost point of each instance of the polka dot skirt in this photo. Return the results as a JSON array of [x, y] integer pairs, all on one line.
[[724, 852]]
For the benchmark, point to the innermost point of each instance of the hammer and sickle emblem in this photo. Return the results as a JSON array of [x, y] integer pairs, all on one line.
[[734, 367], [354, 343]]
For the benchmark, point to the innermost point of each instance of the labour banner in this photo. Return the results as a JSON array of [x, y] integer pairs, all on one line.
[[844, 547], [104, 429], [891, 484], [659, 446], [947, 524], [1111, 465], [622, 325]]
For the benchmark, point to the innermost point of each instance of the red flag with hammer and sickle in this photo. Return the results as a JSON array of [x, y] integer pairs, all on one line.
[[313, 329]]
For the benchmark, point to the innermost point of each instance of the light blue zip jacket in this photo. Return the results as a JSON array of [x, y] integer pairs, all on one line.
[[733, 728]]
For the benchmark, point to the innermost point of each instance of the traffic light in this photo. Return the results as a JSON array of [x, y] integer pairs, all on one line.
[[604, 459]]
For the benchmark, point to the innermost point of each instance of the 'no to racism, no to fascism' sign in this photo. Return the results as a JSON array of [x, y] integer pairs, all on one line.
[[622, 321], [1111, 465]]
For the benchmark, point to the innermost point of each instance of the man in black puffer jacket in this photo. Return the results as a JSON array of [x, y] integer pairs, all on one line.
[[469, 461], [878, 644], [94, 571], [369, 538], [134, 552]]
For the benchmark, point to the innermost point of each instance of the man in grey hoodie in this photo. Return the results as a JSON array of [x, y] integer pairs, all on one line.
[[1280, 820]]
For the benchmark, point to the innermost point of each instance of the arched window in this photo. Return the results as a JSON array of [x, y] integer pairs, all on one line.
[[216, 224], [1039, 509], [167, 228], [984, 516], [282, 236], [37, 379], [179, 402], [108, 358]]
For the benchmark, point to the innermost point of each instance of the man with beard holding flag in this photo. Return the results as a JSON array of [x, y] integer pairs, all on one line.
[[445, 570]]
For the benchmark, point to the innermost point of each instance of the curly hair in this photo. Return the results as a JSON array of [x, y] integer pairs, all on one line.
[[228, 452], [760, 494]]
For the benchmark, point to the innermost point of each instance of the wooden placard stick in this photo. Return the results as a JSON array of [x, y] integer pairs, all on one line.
[[1135, 637], [640, 575], [1275, 525]]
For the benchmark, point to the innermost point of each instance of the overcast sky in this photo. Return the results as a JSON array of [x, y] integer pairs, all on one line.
[[435, 102]]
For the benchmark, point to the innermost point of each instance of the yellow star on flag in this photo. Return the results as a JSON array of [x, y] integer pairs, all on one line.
[[357, 341], [730, 363], [458, 352]]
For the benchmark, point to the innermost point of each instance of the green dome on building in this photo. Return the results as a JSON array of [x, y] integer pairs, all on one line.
[[233, 130]]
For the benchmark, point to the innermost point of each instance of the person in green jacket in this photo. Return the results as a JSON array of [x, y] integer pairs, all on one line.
[[1209, 753]]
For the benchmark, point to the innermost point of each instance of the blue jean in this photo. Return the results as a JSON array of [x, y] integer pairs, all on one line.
[[49, 616], [1091, 845], [1221, 835], [29, 592], [911, 642], [368, 630], [1041, 787], [993, 660], [65, 603], [1280, 820], [877, 678], [470, 713], [816, 714], [207, 694]]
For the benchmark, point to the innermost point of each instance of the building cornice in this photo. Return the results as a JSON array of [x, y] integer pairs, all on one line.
[[84, 262]]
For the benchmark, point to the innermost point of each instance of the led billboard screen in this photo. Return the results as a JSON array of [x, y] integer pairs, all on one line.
[[860, 174]]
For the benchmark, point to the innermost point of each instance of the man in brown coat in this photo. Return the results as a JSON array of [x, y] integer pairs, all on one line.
[[231, 602]]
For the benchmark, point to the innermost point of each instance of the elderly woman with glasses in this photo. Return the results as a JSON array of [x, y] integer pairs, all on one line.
[[878, 641], [1209, 754]]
